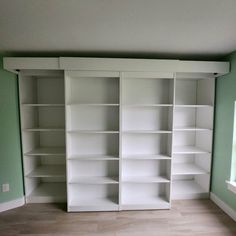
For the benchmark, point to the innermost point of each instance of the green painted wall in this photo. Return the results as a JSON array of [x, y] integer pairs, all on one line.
[[10, 150], [224, 126]]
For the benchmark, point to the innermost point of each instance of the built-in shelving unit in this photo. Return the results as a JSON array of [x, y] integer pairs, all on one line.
[[116, 134], [192, 140], [43, 135]]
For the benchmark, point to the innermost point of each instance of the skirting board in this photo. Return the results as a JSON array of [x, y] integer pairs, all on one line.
[[226, 208], [12, 204]]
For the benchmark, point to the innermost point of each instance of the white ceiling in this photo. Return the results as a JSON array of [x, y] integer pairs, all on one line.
[[119, 27]]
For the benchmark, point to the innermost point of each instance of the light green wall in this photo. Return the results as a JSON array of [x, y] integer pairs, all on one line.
[[224, 125], [10, 151]]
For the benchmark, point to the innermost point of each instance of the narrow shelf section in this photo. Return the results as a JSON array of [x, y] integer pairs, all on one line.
[[48, 192], [40, 129], [187, 169], [94, 204], [94, 180], [188, 150], [187, 189], [47, 151], [148, 105], [148, 131], [191, 129], [145, 179], [151, 202], [93, 131], [147, 157], [48, 171], [93, 157], [42, 105]]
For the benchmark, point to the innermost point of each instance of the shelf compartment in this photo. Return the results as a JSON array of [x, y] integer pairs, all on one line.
[[188, 150], [187, 169], [147, 119], [93, 104], [147, 105], [48, 171], [138, 196], [46, 151], [188, 189], [43, 105], [94, 180], [48, 192], [146, 157], [93, 118], [93, 131], [191, 129], [93, 197], [147, 131], [93, 157], [40, 129], [145, 179], [92, 144]]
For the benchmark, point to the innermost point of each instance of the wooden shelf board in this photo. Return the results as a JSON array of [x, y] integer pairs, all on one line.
[[188, 150], [93, 157], [187, 169], [48, 192], [146, 157], [94, 180], [48, 171], [145, 179], [46, 151]]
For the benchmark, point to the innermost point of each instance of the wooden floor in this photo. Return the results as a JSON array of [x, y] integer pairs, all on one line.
[[191, 217]]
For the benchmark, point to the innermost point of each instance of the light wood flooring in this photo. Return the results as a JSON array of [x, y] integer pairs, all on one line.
[[189, 217]]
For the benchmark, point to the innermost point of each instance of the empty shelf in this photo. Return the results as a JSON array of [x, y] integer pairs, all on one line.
[[194, 106], [93, 131], [94, 204], [47, 151], [148, 105], [93, 104], [188, 150], [145, 179], [148, 131], [48, 192], [40, 129], [187, 169], [187, 189], [42, 105], [48, 171], [94, 180], [147, 157], [152, 202], [93, 157], [191, 129]]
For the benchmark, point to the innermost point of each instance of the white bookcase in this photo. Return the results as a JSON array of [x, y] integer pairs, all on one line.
[[43, 135], [116, 134]]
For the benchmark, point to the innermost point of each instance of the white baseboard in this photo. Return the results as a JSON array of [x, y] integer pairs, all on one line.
[[226, 208], [12, 204]]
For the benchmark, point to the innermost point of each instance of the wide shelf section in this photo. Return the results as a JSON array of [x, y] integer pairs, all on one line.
[[93, 157], [93, 180], [187, 189], [94, 204], [147, 157], [147, 105], [94, 104], [188, 150], [48, 171], [94, 131], [187, 169], [47, 151], [147, 131], [145, 179], [48, 192]]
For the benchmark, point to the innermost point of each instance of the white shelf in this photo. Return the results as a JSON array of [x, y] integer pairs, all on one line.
[[94, 180], [48, 192], [47, 151], [191, 129], [40, 129], [93, 104], [48, 171], [94, 204], [43, 105], [137, 203], [147, 157], [188, 150], [93, 157], [93, 131], [187, 169], [187, 189], [145, 179], [147, 131], [148, 105], [194, 106]]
